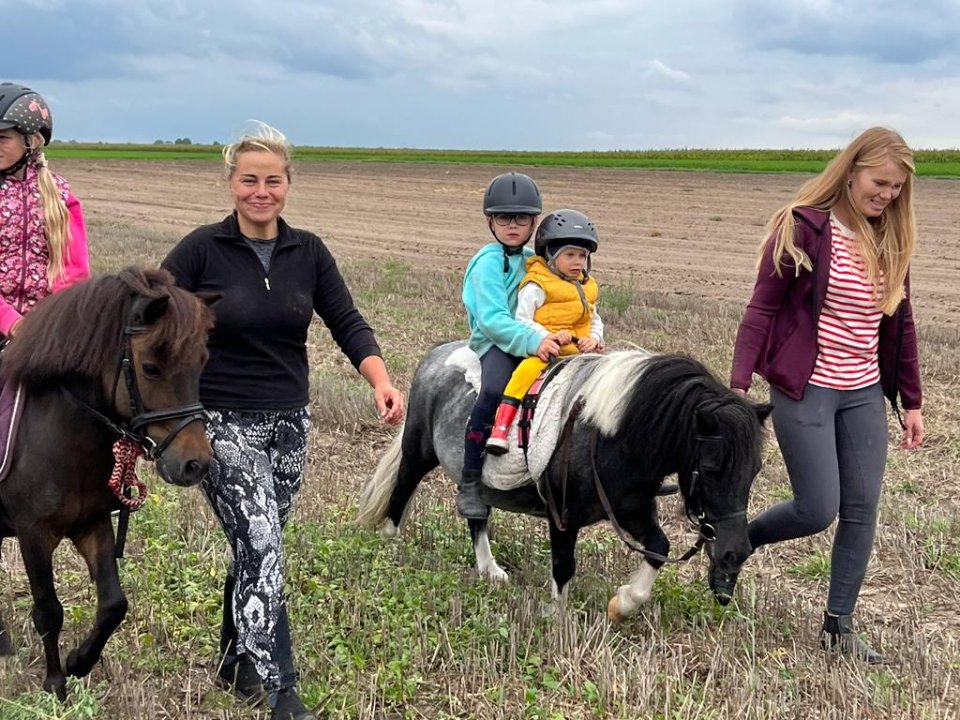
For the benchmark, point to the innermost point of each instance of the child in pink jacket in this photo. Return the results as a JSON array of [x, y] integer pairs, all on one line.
[[43, 239]]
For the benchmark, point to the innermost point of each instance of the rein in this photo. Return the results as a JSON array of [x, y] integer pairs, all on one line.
[[706, 530]]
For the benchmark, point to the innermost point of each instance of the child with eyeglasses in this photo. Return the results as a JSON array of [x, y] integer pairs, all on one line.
[[511, 203], [558, 299]]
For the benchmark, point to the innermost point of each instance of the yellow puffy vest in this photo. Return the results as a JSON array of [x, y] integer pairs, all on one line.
[[565, 308]]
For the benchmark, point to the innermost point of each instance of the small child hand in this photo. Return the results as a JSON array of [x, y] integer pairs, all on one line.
[[588, 344], [548, 349], [563, 337]]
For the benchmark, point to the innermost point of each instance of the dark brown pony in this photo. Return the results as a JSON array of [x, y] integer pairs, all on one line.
[[117, 356]]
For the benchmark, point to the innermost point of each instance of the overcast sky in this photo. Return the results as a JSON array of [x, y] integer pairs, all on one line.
[[493, 74]]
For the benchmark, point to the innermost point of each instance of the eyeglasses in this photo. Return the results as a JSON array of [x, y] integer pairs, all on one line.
[[518, 218]]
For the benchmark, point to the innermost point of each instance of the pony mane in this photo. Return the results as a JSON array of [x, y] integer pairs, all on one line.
[[656, 400], [608, 388], [78, 332]]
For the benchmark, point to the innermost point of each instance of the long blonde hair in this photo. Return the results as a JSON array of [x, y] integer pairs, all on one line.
[[886, 243], [56, 217], [260, 138]]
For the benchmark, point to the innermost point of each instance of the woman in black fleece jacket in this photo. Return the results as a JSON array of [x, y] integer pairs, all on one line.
[[272, 279]]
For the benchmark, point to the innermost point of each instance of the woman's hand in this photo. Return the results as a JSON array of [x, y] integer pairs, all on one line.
[[912, 429], [389, 402]]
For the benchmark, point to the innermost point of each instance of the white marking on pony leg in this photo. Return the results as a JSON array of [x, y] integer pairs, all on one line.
[[631, 596], [556, 594], [389, 530], [487, 566]]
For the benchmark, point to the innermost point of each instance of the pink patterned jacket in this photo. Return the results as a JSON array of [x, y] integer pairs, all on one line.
[[23, 246]]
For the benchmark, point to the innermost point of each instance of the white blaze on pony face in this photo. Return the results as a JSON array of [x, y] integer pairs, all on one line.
[[609, 387]]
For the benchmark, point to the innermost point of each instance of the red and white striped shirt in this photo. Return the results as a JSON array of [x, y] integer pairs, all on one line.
[[849, 326]]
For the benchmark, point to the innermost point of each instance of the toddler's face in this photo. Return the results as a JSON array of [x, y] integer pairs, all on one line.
[[571, 261], [512, 230]]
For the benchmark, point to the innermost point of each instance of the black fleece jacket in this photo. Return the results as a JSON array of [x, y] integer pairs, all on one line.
[[258, 353]]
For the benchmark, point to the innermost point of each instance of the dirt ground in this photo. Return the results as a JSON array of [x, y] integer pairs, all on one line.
[[680, 232]]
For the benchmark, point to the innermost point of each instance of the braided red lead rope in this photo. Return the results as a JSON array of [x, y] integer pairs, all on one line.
[[124, 475]]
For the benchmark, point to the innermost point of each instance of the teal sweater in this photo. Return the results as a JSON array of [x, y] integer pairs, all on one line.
[[490, 296]]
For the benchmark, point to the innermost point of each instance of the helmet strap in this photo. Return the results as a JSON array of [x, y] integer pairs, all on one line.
[[19, 164]]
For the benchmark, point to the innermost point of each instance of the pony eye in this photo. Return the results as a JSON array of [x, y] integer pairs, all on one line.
[[151, 371]]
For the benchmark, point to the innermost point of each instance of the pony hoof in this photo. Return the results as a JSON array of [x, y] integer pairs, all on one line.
[[389, 531], [6, 647], [56, 685], [496, 576], [613, 610]]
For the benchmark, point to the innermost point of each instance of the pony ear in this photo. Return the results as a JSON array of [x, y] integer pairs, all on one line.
[[209, 298], [763, 412], [146, 311]]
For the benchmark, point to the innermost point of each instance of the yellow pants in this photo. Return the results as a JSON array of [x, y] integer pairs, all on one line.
[[527, 372]]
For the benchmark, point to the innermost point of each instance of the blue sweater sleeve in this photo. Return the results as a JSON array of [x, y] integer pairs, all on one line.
[[487, 295]]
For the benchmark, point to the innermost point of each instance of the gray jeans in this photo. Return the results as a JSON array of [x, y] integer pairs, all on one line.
[[834, 444]]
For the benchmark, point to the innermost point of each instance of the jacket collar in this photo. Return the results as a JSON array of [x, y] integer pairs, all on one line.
[[818, 219], [229, 229]]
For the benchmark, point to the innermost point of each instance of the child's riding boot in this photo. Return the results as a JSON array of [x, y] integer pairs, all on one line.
[[838, 636], [469, 503], [498, 442]]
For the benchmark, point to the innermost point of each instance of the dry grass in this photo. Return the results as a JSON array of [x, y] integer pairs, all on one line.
[[391, 630]]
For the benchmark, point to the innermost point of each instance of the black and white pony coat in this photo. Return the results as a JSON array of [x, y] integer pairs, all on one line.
[[641, 417]]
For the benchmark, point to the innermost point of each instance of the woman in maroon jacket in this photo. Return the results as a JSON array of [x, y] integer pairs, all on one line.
[[831, 329]]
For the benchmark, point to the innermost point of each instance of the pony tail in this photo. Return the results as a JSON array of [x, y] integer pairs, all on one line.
[[57, 220]]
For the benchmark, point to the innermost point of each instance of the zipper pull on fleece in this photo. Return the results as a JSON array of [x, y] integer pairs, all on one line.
[[266, 282]]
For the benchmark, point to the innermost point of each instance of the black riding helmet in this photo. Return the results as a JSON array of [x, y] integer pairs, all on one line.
[[23, 110], [512, 193], [561, 228]]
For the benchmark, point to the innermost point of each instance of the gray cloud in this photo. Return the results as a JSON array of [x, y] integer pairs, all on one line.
[[880, 30]]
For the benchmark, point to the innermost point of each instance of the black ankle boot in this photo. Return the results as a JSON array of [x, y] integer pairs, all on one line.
[[239, 676], [469, 504], [837, 636], [286, 705]]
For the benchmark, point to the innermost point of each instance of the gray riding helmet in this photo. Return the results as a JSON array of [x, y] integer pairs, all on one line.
[[565, 227], [25, 111], [512, 193]]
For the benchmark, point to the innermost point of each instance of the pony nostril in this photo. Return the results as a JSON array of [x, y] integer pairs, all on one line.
[[194, 470]]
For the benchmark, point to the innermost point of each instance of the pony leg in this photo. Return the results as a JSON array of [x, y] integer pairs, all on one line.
[[97, 548], [487, 566], [638, 589], [562, 545], [37, 550]]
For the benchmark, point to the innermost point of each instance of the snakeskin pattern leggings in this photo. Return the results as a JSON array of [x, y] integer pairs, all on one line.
[[256, 471]]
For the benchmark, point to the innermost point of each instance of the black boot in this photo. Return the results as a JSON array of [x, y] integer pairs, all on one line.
[[236, 672], [286, 705], [837, 636], [238, 675], [469, 504]]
